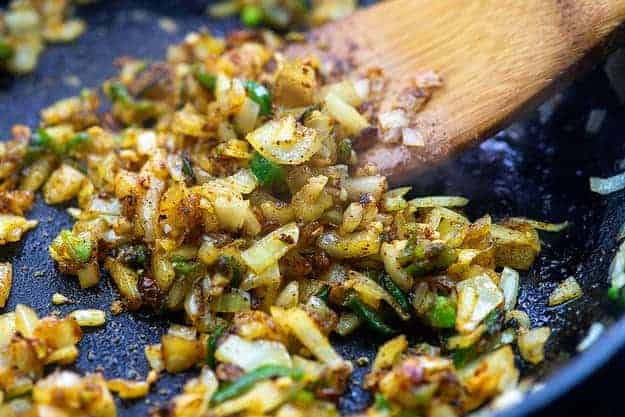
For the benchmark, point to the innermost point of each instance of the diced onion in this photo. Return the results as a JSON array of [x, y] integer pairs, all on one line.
[[6, 278], [439, 201], [250, 355], [391, 253], [544, 226], [309, 334], [284, 142], [389, 352], [268, 250], [477, 297], [345, 114], [532, 344], [510, 287], [89, 317], [566, 291], [412, 137]]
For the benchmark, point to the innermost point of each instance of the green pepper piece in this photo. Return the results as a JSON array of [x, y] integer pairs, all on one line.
[[230, 267], [396, 292], [419, 268], [6, 50], [76, 248], [41, 140], [323, 293], [187, 169], [461, 357], [247, 381], [134, 255], [118, 92], [184, 268], [304, 397], [251, 15], [76, 141], [344, 151], [408, 413], [369, 316], [445, 258], [207, 80], [443, 313], [381, 403], [260, 95], [211, 345], [267, 172]]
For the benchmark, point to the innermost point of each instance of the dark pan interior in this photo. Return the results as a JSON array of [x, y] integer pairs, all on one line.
[[538, 168]]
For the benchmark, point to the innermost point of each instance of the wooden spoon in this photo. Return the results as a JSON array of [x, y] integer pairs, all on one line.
[[496, 57]]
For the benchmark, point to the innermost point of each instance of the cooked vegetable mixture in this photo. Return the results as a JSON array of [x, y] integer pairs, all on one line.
[[223, 183], [282, 14], [27, 25]]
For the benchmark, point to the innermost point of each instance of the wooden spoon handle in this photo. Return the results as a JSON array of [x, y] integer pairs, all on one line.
[[496, 57]]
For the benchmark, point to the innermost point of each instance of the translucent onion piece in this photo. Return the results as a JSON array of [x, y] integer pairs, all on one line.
[[250, 355], [566, 291], [268, 250], [532, 344], [439, 201], [284, 142], [544, 226], [477, 297], [510, 287]]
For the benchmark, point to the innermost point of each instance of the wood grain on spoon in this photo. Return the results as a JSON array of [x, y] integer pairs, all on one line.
[[496, 57]]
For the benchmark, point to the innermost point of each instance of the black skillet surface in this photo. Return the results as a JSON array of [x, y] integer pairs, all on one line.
[[538, 169]]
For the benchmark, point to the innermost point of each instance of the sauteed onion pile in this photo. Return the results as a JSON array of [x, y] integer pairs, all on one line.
[[224, 183]]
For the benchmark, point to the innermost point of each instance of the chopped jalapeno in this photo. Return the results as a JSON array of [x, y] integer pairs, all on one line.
[[395, 292], [41, 140], [344, 151], [118, 92], [134, 255], [381, 403], [324, 293], [76, 141], [211, 345], [207, 80], [230, 267], [187, 169], [267, 172], [6, 50], [74, 247], [369, 316], [247, 381], [185, 268], [251, 15], [443, 313], [260, 95]]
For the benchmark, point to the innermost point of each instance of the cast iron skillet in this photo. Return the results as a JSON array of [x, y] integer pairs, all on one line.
[[537, 169]]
